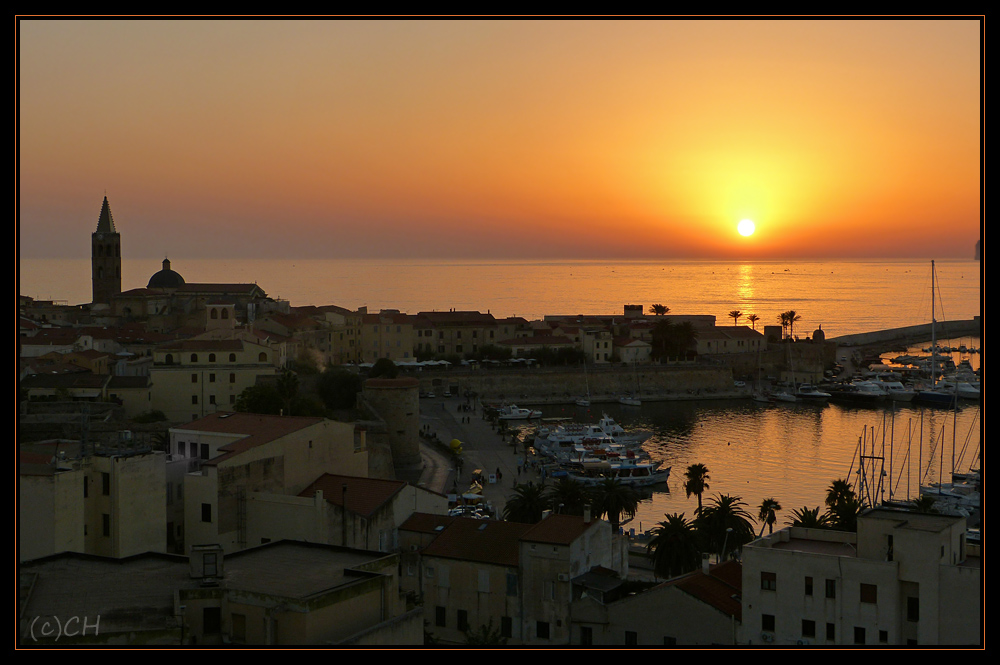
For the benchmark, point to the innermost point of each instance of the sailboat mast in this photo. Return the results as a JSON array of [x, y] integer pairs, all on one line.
[[933, 333]]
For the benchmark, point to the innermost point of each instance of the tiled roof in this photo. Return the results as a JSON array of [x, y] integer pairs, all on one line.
[[218, 288], [721, 588], [69, 381], [426, 522], [538, 340], [364, 495], [485, 541], [203, 345], [558, 529], [458, 318]]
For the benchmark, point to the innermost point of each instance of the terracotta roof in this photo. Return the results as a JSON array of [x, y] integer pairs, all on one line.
[[203, 345], [70, 381], [558, 529], [458, 318], [721, 588], [218, 288], [426, 522], [364, 495], [538, 340], [485, 541], [629, 341]]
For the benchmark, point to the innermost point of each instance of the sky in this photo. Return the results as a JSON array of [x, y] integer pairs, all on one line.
[[501, 139]]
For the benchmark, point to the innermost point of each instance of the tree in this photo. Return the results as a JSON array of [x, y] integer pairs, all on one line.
[[767, 516], [616, 500], [485, 636], [288, 388], [736, 314], [696, 482], [383, 368], [659, 310], [792, 317], [526, 504], [925, 504], [263, 398], [725, 525], [568, 496], [783, 320], [843, 505], [753, 319], [338, 388], [674, 547], [808, 518]]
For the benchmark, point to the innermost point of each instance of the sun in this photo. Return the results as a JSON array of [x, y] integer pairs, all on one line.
[[746, 227]]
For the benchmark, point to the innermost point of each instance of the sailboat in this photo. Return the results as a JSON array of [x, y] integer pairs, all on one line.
[[758, 393], [935, 395], [633, 398], [585, 401]]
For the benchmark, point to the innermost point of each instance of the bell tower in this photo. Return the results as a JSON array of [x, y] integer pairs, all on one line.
[[106, 257]]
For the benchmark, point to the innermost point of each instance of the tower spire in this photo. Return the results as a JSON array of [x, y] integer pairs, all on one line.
[[106, 223]]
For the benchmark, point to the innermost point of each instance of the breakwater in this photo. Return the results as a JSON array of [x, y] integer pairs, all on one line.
[[913, 334]]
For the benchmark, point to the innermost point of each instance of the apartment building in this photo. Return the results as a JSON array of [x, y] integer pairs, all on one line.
[[905, 578]]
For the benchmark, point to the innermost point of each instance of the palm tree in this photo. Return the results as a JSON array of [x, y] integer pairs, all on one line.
[[725, 524], [658, 310], [792, 318], [288, 388], [925, 504], [526, 504], [843, 505], [736, 314], [783, 320], [753, 319], [570, 494], [839, 491], [674, 547], [767, 516], [616, 500], [808, 518], [696, 482]]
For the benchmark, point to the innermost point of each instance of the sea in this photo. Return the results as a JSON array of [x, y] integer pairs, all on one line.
[[790, 452]]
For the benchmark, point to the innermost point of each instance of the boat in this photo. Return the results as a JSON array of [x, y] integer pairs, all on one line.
[[933, 394], [606, 427], [627, 472], [513, 412], [863, 392], [630, 400], [809, 392]]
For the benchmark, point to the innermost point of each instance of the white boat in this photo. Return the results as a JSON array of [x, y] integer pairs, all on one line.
[[896, 391], [606, 428], [627, 472], [630, 400], [810, 392], [961, 388], [513, 412]]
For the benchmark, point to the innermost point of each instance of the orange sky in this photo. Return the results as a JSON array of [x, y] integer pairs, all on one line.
[[572, 139]]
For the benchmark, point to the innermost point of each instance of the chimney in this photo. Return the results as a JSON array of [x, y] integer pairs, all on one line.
[[586, 514]]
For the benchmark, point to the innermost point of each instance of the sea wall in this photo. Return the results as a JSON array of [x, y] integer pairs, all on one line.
[[565, 385], [921, 333]]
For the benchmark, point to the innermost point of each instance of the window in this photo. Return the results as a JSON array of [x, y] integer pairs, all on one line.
[[767, 622], [768, 581], [106, 525], [586, 636], [831, 632], [631, 638], [211, 399], [194, 357], [809, 586], [506, 627], [859, 635], [669, 641], [869, 593], [912, 608], [86, 485], [262, 357], [542, 629], [194, 378], [232, 357], [808, 628], [463, 620], [194, 399], [106, 484], [883, 637], [211, 359], [206, 512], [831, 588], [210, 564], [232, 377], [511, 584], [204, 451], [211, 378], [193, 450], [440, 617]]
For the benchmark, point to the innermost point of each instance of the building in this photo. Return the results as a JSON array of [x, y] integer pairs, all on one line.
[[285, 593], [729, 339], [514, 577], [106, 258], [109, 501], [905, 578], [220, 459], [350, 511], [454, 333], [193, 378], [701, 608]]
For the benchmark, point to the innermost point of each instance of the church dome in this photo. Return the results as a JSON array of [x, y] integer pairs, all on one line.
[[166, 278]]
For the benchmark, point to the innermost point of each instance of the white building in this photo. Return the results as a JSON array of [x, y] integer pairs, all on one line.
[[905, 578]]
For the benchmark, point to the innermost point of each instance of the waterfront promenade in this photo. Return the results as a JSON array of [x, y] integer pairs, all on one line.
[[483, 449]]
